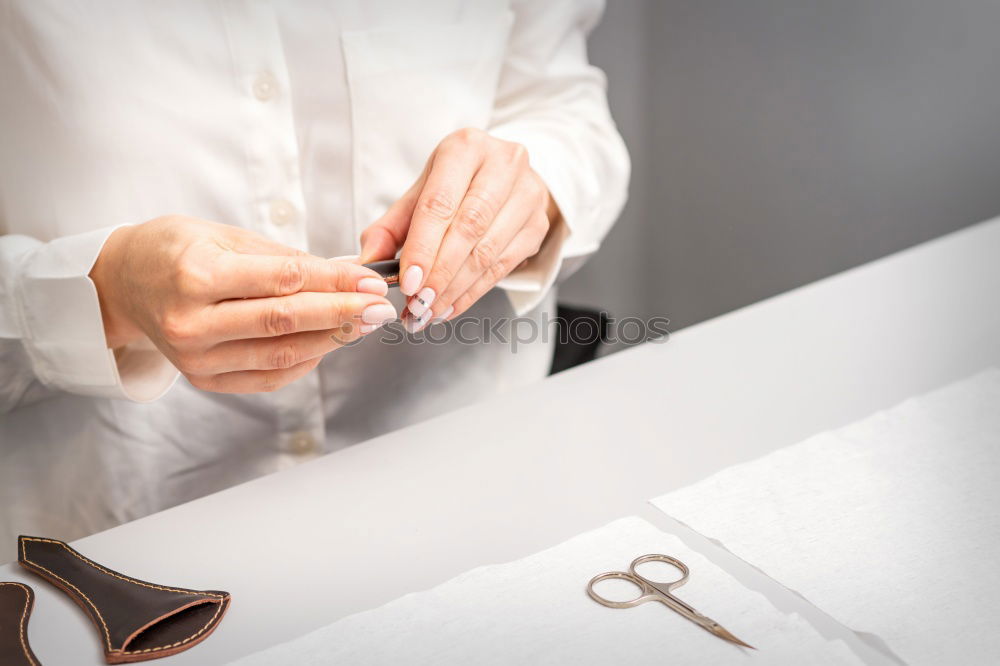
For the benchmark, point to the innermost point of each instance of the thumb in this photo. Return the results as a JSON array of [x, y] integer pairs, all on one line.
[[377, 243], [385, 236]]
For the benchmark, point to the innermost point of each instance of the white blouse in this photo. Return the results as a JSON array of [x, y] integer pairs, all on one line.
[[301, 121]]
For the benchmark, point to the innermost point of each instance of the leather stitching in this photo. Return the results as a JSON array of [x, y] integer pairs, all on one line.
[[127, 579], [24, 621], [107, 635], [218, 609], [104, 626]]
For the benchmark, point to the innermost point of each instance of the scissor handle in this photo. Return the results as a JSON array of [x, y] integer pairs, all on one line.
[[646, 593], [649, 590], [664, 587]]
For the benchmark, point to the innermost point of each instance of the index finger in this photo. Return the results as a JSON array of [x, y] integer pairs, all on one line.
[[448, 180], [253, 276]]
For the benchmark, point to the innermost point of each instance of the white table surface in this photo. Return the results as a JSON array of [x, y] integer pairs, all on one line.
[[513, 475]]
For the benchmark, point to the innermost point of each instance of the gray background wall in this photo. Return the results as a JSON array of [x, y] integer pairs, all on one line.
[[775, 142]]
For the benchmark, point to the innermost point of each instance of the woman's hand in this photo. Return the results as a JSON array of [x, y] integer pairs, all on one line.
[[232, 310], [475, 214]]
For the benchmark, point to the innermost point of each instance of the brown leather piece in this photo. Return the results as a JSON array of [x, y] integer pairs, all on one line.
[[388, 270], [137, 620], [16, 600]]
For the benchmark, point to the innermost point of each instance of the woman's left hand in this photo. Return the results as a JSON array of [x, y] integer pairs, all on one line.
[[475, 214]]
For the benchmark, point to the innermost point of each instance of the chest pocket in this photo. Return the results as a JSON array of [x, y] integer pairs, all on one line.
[[410, 87]]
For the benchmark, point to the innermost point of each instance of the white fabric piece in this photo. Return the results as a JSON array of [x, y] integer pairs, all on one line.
[[301, 121], [536, 611], [890, 525]]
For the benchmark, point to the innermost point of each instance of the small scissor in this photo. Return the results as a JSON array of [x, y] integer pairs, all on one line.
[[655, 591]]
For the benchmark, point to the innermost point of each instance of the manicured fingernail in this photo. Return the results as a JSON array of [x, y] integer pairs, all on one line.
[[414, 324], [443, 317], [379, 313], [420, 303], [367, 328], [412, 278], [370, 285]]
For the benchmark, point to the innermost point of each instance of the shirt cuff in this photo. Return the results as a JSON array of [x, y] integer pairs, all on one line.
[[527, 285], [63, 332], [564, 249]]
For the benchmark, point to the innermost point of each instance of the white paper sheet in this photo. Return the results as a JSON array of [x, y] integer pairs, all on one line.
[[891, 525], [536, 611]]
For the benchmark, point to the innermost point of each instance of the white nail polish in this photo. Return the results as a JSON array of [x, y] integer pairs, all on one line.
[[420, 303], [414, 324], [379, 313], [412, 278], [367, 328], [443, 317], [369, 285]]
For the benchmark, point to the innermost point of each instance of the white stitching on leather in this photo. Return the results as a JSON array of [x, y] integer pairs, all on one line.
[[24, 556], [127, 579], [24, 621], [218, 609]]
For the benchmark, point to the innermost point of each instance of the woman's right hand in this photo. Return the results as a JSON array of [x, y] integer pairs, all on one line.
[[232, 310]]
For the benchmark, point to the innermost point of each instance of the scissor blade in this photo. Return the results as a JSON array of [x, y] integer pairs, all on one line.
[[706, 623], [722, 632]]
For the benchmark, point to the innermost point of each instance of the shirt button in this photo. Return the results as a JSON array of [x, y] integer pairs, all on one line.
[[265, 86], [303, 443], [282, 212]]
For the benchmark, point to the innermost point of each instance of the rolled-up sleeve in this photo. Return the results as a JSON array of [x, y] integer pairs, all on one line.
[[51, 330], [552, 101]]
